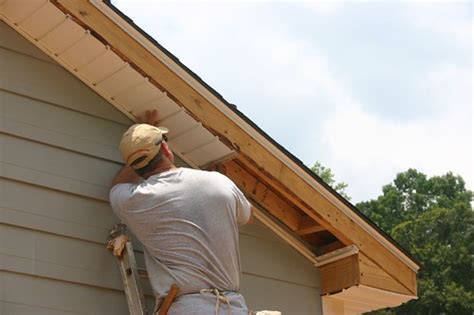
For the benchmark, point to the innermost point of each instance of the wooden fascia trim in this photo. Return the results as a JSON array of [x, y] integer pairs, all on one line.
[[347, 267], [320, 203], [310, 214], [339, 274], [337, 254], [373, 276], [261, 194]]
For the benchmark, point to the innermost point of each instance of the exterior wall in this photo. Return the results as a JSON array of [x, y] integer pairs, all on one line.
[[58, 155], [276, 277]]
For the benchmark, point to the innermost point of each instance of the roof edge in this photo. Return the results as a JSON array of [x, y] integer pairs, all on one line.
[[244, 122]]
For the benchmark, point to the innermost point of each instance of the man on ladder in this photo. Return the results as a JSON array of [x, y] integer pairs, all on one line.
[[187, 221]]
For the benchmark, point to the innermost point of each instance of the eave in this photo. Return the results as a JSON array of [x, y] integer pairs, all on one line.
[[308, 214]]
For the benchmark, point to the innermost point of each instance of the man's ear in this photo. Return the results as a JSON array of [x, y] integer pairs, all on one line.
[[166, 150], [169, 153]]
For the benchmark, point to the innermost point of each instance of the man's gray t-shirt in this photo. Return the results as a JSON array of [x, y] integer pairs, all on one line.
[[187, 221]]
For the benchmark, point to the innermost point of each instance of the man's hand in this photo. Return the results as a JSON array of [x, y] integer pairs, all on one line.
[[117, 245], [150, 118]]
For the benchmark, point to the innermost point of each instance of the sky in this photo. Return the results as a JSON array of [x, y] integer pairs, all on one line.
[[369, 89]]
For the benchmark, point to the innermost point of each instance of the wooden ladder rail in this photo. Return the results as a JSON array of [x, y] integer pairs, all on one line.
[[130, 274], [131, 277]]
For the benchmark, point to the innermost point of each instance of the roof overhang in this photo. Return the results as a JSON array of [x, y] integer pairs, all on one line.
[[360, 299], [130, 70]]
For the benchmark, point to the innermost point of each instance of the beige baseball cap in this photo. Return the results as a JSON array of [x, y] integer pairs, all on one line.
[[140, 143]]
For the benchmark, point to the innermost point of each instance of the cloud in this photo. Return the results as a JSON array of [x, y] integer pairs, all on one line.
[[444, 19], [368, 151], [302, 73], [323, 7], [449, 87]]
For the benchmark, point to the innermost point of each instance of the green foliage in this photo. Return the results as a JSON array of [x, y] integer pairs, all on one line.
[[412, 194], [433, 219], [328, 177]]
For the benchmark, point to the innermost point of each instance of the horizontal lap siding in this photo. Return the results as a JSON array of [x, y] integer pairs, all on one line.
[[275, 276], [28, 294], [58, 142], [289, 298]]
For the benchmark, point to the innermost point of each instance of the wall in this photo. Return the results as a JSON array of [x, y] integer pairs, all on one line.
[[58, 154]]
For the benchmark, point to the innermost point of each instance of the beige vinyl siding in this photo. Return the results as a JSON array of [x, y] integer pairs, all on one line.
[[58, 155]]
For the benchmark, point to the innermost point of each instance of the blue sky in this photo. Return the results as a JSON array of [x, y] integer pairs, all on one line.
[[369, 89]]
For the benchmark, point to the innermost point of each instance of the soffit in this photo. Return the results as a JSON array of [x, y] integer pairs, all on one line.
[[360, 299], [83, 54]]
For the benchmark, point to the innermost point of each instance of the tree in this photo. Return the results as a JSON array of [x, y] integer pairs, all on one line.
[[328, 177], [433, 219]]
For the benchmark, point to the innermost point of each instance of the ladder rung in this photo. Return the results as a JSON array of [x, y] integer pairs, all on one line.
[[142, 273], [130, 273]]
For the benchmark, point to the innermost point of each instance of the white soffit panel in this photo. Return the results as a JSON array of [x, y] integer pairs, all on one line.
[[166, 105], [139, 95], [74, 47], [101, 67], [37, 27], [83, 52], [200, 137], [64, 37], [120, 81], [210, 151], [20, 10], [180, 120]]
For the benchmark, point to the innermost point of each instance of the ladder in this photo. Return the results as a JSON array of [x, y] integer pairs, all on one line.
[[131, 276]]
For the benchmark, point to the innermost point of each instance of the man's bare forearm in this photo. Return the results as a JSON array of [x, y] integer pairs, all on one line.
[[126, 175]]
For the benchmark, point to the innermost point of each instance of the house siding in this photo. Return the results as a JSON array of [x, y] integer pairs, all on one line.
[[58, 142]]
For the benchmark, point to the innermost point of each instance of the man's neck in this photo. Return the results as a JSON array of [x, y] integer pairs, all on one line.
[[161, 169]]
